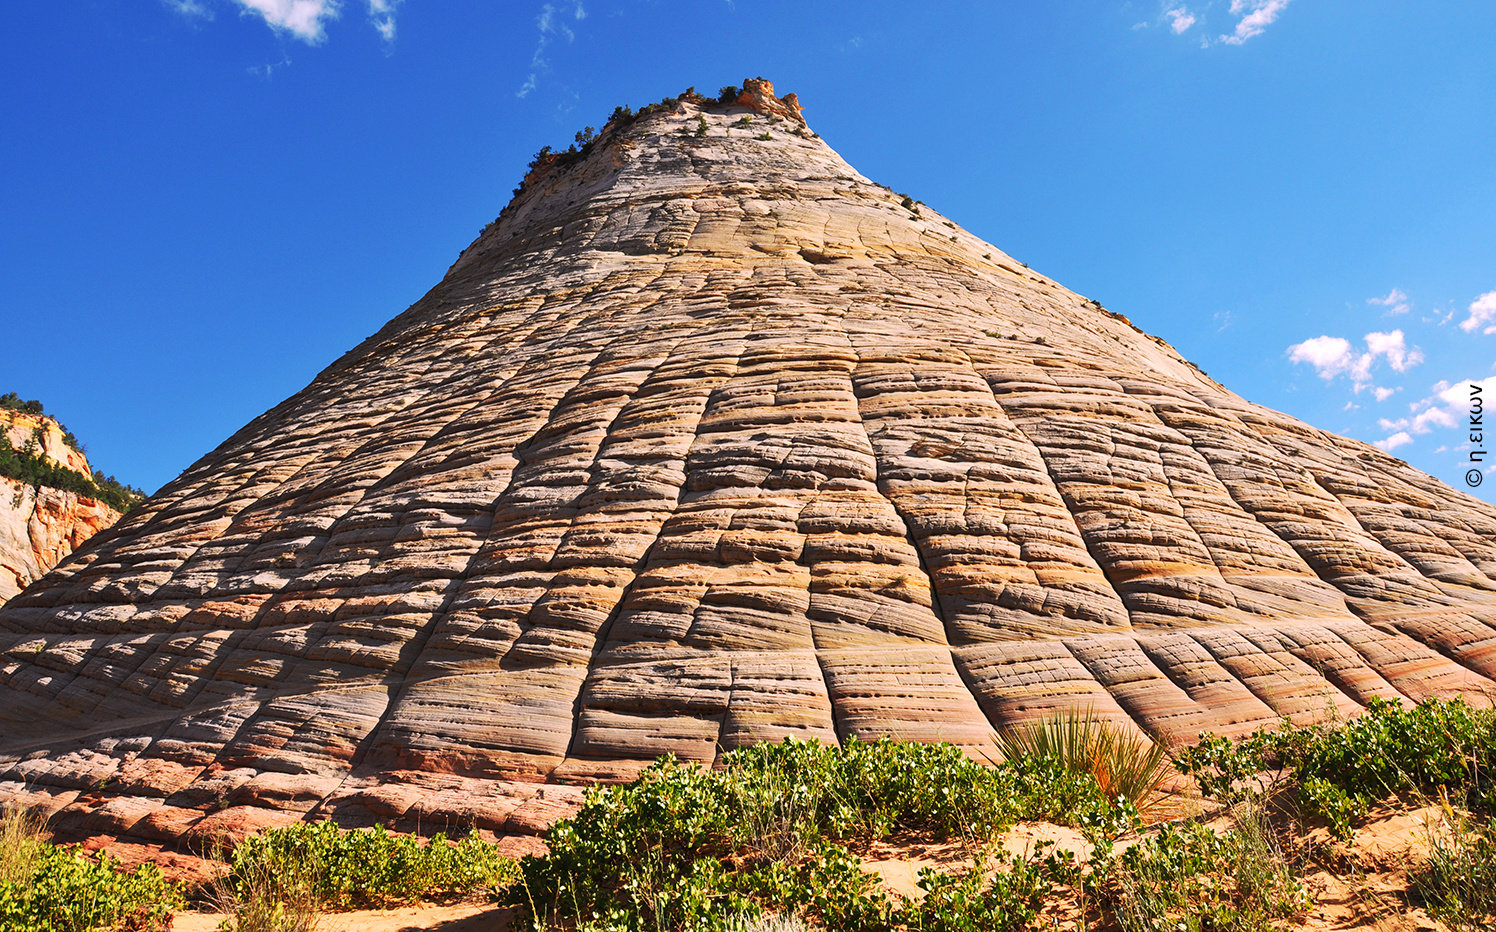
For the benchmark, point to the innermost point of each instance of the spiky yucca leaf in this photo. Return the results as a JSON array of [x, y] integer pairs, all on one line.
[[1121, 763]]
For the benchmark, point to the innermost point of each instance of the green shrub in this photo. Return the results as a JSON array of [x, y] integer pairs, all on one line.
[[774, 832], [1337, 771], [29, 467], [367, 867], [13, 402], [1186, 876], [67, 891], [968, 902]]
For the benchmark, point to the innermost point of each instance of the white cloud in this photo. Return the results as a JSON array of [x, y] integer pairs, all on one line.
[[1393, 442], [1395, 303], [1383, 393], [1329, 355], [1447, 407], [1482, 314], [1333, 356], [1391, 345], [552, 23], [1256, 15], [1180, 19], [302, 18], [382, 15]]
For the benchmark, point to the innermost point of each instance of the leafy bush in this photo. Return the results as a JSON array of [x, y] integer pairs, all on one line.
[[967, 902], [684, 847], [1337, 771], [13, 402], [1185, 876], [367, 867], [62, 890]]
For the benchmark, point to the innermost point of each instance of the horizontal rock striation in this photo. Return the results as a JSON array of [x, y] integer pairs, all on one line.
[[710, 440]]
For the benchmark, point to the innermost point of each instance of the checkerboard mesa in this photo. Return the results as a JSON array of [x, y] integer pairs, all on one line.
[[709, 440]]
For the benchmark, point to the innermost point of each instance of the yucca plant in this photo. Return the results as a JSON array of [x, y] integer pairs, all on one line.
[[1122, 764]]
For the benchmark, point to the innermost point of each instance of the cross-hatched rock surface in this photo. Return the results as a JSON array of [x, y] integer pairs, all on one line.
[[711, 440]]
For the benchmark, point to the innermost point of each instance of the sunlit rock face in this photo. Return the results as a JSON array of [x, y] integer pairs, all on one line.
[[711, 440], [39, 525]]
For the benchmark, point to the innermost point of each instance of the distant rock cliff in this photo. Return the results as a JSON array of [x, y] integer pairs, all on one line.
[[39, 526]]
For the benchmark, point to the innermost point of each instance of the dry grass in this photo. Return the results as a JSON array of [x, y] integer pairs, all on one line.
[[22, 833], [1458, 881], [263, 896]]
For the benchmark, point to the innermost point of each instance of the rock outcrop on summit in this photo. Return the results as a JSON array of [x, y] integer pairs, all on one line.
[[708, 440]]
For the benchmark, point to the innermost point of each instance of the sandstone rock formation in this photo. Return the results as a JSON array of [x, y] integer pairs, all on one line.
[[41, 526], [708, 439]]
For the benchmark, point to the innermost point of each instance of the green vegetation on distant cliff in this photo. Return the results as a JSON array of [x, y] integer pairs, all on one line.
[[29, 467], [13, 402]]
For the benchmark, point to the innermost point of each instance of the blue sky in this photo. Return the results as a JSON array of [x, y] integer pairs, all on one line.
[[204, 202]]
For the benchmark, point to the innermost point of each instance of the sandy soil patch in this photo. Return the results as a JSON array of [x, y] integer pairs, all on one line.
[[458, 917]]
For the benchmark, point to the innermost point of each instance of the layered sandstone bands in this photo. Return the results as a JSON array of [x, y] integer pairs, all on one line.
[[710, 440]]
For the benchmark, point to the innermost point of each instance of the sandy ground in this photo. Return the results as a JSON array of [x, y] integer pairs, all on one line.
[[460, 917]]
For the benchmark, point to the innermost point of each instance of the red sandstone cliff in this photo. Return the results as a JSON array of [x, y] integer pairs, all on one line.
[[39, 527]]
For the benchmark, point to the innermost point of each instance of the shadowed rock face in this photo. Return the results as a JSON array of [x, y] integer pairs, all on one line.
[[710, 440]]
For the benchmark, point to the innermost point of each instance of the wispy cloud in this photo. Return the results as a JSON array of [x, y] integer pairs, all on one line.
[[1446, 408], [1180, 19], [1395, 303], [382, 15], [269, 68], [1334, 356], [552, 23], [1482, 314], [189, 8], [303, 19], [1256, 15]]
